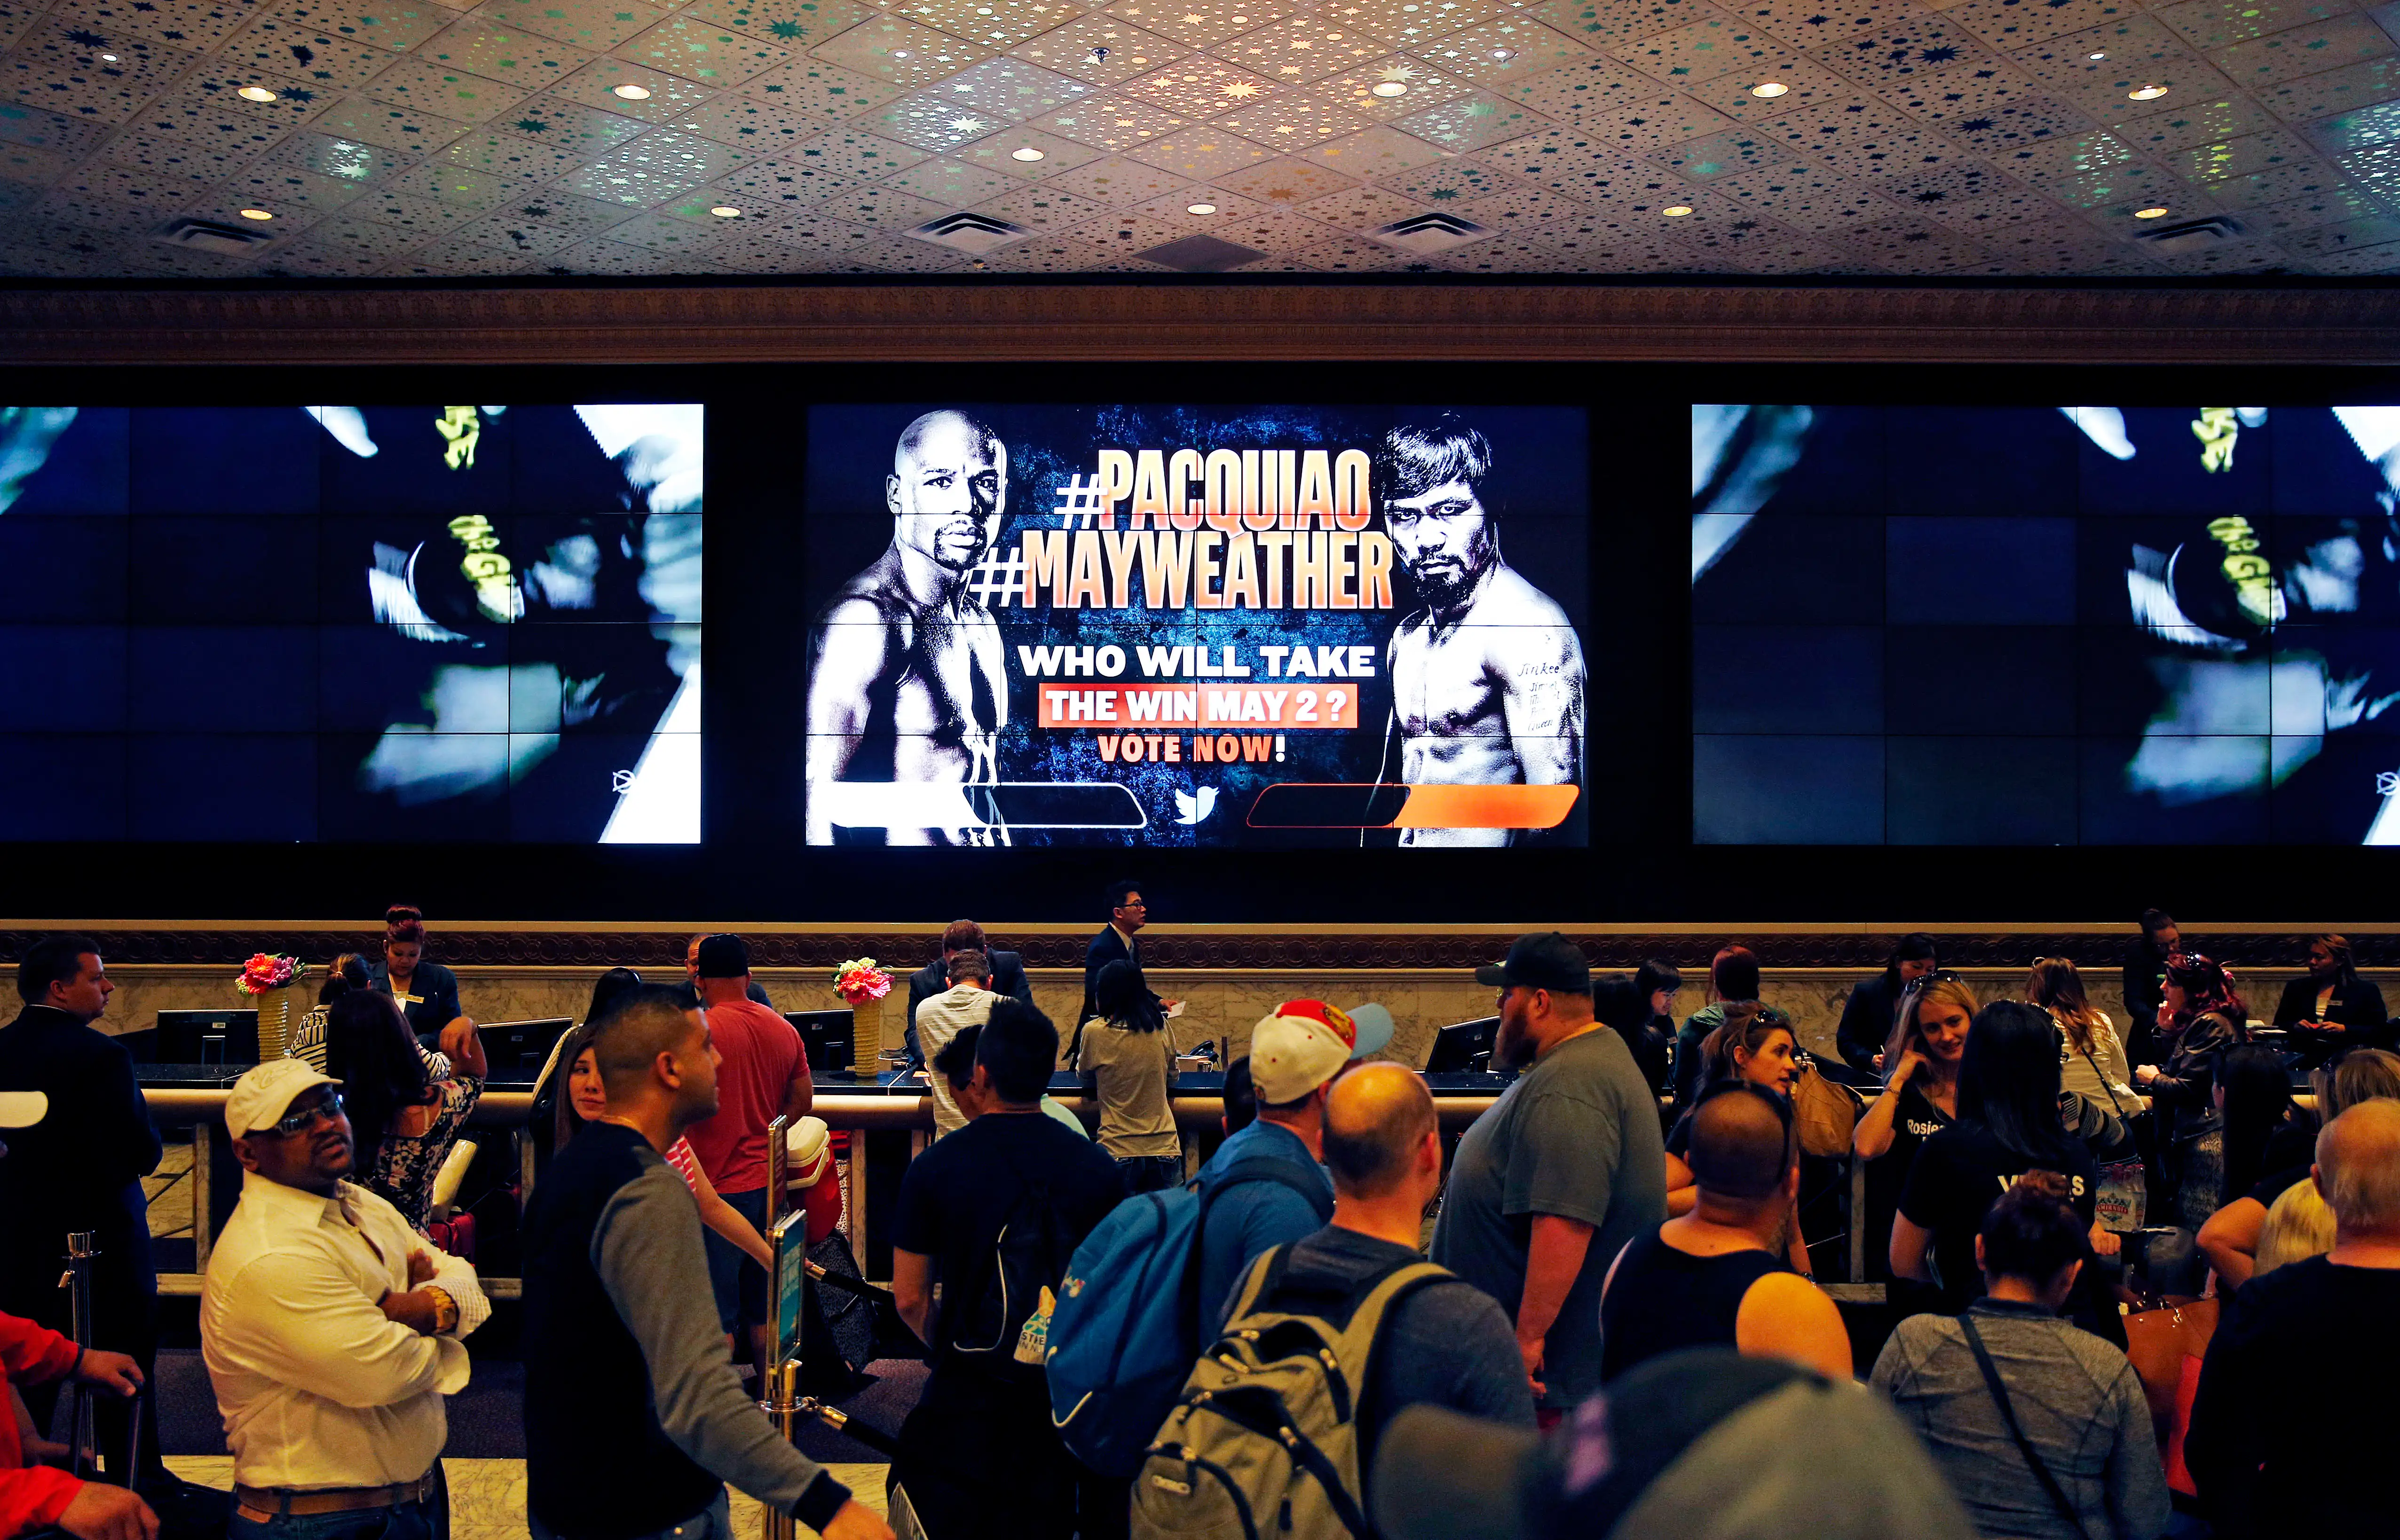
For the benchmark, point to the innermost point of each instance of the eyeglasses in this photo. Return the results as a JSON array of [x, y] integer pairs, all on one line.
[[1133, 904], [327, 1106]]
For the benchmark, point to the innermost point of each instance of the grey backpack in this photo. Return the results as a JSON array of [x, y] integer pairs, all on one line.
[[1264, 1441]]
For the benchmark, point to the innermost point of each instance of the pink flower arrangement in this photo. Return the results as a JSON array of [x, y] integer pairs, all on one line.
[[860, 980], [267, 971]]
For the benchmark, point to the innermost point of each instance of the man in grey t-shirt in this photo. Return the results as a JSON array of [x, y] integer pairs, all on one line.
[[1550, 1183]]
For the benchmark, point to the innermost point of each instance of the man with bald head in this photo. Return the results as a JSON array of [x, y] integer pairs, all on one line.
[[2294, 1420], [1715, 1278], [1445, 1342], [907, 684]]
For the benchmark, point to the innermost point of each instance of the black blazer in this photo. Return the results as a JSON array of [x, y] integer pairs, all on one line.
[[1867, 1019], [1106, 947], [436, 988], [2357, 1007], [933, 979], [79, 1168]]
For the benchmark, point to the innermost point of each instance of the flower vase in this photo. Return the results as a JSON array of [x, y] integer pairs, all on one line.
[[865, 1033], [274, 1024]]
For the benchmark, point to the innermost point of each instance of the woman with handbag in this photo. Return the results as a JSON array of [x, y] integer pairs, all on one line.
[[2042, 1429], [2092, 1062], [1755, 1043], [1920, 1097], [2201, 1017]]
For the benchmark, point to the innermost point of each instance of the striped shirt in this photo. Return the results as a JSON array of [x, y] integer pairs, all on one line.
[[309, 1046]]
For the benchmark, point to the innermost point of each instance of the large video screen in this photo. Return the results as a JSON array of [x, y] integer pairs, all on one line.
[[1270, 626], [370, 623], [1942, 625]]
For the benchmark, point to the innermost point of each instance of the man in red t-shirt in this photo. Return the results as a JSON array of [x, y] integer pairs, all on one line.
[[763, 1076], [36, 1496]]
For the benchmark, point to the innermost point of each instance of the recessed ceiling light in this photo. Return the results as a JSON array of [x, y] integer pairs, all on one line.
[[1388, 87], [1676, 211], [2149, 214], [630, 93], [1769, 88], [2095, 56], [725, 211], [1201, 208], [109, 57], [899, 53], [1027, 153], [256, 213], [2145, 93], [1504, 53], [255, 93]]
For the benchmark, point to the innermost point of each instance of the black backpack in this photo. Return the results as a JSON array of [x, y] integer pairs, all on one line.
[[999, 1318]]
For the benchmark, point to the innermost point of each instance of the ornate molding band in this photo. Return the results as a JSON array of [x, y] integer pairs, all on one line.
[[1508, 321], [1852, 951]]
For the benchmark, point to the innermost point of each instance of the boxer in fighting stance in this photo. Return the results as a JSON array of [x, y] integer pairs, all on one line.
[[1488, 677], [908, 682]]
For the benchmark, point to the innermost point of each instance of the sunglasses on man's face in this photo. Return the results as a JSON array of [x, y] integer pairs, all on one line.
[[327, 1107]]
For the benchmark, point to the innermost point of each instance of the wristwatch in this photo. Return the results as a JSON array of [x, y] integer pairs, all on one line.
[[446, 1312]]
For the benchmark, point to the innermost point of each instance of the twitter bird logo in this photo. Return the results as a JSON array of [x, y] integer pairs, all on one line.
[[1190, 809]]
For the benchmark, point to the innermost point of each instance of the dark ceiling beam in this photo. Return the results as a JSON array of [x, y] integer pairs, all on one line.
[[985, 321]]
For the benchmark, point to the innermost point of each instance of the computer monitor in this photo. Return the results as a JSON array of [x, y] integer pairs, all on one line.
[[826, 1036], [1456, 1047], [523, 1046], [223, 1036]]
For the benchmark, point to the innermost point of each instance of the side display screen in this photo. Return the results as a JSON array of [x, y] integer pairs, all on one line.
[[2045, 625], [358, 624], [1196, 626]]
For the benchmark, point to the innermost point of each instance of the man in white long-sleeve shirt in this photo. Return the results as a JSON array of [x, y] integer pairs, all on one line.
[[329, 1330]]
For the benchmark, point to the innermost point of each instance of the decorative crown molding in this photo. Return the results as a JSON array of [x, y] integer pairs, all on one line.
[[2220, 323]]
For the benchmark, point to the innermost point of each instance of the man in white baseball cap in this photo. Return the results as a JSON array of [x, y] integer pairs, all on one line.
[[1266, 1186], [330, 1328]]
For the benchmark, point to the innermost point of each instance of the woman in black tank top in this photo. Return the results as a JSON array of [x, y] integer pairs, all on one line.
[[1663, 1299]]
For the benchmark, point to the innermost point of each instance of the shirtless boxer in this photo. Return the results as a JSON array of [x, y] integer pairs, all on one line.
[[1488, 677], [907, 683]]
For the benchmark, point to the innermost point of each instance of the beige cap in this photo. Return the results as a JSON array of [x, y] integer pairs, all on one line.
[[265, 1092]]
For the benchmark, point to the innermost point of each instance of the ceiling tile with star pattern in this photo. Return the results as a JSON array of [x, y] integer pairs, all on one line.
[[1699, 51], [2334, 91], [402, 129], [1100, 49], [1117, 124], [594, 26], [1604, 23], [1421, 87], [512, 158], [1472, 123], [751, 123], [661, 96], [1202, 87], [1801, 197], [59, 68], [521, 59], [702, 53], [2099, 69], [2210, 117], [1301, 49], [993, 23], [1502, 49], [203, 104], [2222, 23], [188, 25], [1891, 55], [2012, 24], [999, 153], [555, 120], [2312, 49], [1878, 143], [1292, 121], [792, 23], [1114, 181], [2332, 206], [952, 183], [417, 82], [1286, 182], [305, 52], [1969, 197], [1913, 247], [901, 52], [1201, 154], [1197, 24], [1375, 151], [1044, 209], [1804, 82], [1806, 24]]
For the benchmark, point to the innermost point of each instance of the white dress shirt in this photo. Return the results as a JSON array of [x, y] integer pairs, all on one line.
[[939, 1018], [317, 1389]]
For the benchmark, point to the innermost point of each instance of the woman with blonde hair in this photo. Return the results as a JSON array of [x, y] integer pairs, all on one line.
[[2299, 1226], [1920, 1097], [2092, 1061], [1756, 1044], [2234, 1234]]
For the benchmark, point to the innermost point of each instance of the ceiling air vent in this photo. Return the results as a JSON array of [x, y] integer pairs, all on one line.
[[974, 233], [206, 235], [1200, 254], [1427, 234], [2186, 237]]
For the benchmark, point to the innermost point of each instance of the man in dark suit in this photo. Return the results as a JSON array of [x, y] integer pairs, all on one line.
[[965, 935], [1127, 915], [79, 1168]]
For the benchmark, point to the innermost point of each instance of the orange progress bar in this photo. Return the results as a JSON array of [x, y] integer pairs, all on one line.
[[1503, 807]]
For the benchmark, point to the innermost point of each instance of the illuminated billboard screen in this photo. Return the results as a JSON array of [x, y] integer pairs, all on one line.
[[2045, 625], [1196, 626], [357, 623]]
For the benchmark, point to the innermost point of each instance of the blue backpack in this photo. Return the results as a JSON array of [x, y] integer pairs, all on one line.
[[1126, 1328]]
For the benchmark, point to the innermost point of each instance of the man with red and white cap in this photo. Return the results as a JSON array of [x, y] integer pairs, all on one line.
[[1273, 1186], [331, 1330], [36, 1496]]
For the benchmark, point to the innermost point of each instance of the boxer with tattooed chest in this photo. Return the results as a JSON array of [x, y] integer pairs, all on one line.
[[907, 683], [1488, 677]]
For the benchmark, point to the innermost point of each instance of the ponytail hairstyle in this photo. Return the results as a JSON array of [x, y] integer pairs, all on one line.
[[1747, 1026], [2058, 988], [1906, 1033], [1915, 946], [2032, 1231], [404, 923], [347, 971], [2207, 989]]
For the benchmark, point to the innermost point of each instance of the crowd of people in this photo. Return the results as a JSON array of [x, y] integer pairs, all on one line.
[[1122, 1339]]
